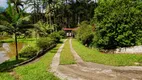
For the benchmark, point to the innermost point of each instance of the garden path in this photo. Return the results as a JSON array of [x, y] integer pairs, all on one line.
[[92, 71]]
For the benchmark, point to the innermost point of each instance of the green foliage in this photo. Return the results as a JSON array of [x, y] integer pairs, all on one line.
[[6, 76], [118, 23], [85, 33], [62, 34], [44, 42], [28, 51], [42, 28], [55, 36]]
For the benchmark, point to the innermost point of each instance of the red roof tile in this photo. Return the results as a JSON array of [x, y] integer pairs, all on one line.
[[66, 29]]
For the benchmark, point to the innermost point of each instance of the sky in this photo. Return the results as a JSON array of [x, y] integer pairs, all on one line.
[[3, 3]]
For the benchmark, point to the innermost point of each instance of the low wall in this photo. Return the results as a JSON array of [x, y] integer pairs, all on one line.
[[131, 50]]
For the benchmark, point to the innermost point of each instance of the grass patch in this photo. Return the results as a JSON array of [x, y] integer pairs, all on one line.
[[93, 55], [9, 40], [7, 65], [6, 76], [39, 69], [66, 56]]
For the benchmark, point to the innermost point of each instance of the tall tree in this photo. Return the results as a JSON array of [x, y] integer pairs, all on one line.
[[17, 4], [72, 12]]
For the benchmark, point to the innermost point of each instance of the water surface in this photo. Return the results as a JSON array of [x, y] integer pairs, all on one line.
[[7, 50]]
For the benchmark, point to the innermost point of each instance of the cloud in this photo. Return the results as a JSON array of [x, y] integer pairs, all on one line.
[[3, 3]]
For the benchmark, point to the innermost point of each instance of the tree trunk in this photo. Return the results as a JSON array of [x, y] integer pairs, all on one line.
[[16, 46], [50, 21], [34, 21]]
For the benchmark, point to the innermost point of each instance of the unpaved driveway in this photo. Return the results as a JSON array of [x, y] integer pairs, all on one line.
[[92, 71]]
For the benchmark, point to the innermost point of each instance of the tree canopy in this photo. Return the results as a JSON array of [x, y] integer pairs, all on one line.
[[119, 23]]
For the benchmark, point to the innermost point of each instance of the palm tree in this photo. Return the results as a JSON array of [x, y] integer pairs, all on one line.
[[17, 4], [11, 22]]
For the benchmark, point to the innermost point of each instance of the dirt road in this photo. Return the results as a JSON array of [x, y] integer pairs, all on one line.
[[92, 71]]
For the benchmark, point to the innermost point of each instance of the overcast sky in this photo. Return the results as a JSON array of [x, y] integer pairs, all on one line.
[[3, 3]]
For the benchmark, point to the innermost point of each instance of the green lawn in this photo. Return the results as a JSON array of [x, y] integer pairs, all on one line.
[[34, 71], [9, 40], [66, 56], [6, 76], [93, 55]]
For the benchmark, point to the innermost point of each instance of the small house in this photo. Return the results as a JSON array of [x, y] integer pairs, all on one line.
[[69, 31]]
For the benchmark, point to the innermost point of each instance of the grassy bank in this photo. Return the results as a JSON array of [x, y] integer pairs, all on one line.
[[66, 56], [6, 76], [93, 55], [9, 40], [38, 70]]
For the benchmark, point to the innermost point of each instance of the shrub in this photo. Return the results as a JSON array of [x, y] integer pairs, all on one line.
[[55, 36], [44, 42], [28, 52], [62, 34], [85, 33]]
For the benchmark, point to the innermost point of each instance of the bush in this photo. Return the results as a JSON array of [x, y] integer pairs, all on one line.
[[55, 36], [118, 23], [28, 52], [44, 42], [62, 34], [85, 33]]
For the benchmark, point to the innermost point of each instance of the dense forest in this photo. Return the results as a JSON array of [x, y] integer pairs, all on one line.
[[56, 14]]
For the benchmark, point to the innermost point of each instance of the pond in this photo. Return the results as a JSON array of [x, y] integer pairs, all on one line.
[[7, 50]]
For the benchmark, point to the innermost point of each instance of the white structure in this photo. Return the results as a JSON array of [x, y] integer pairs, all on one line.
[[131, 50]]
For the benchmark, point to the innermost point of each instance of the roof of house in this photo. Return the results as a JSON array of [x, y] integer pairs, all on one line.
[[72, 29]]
